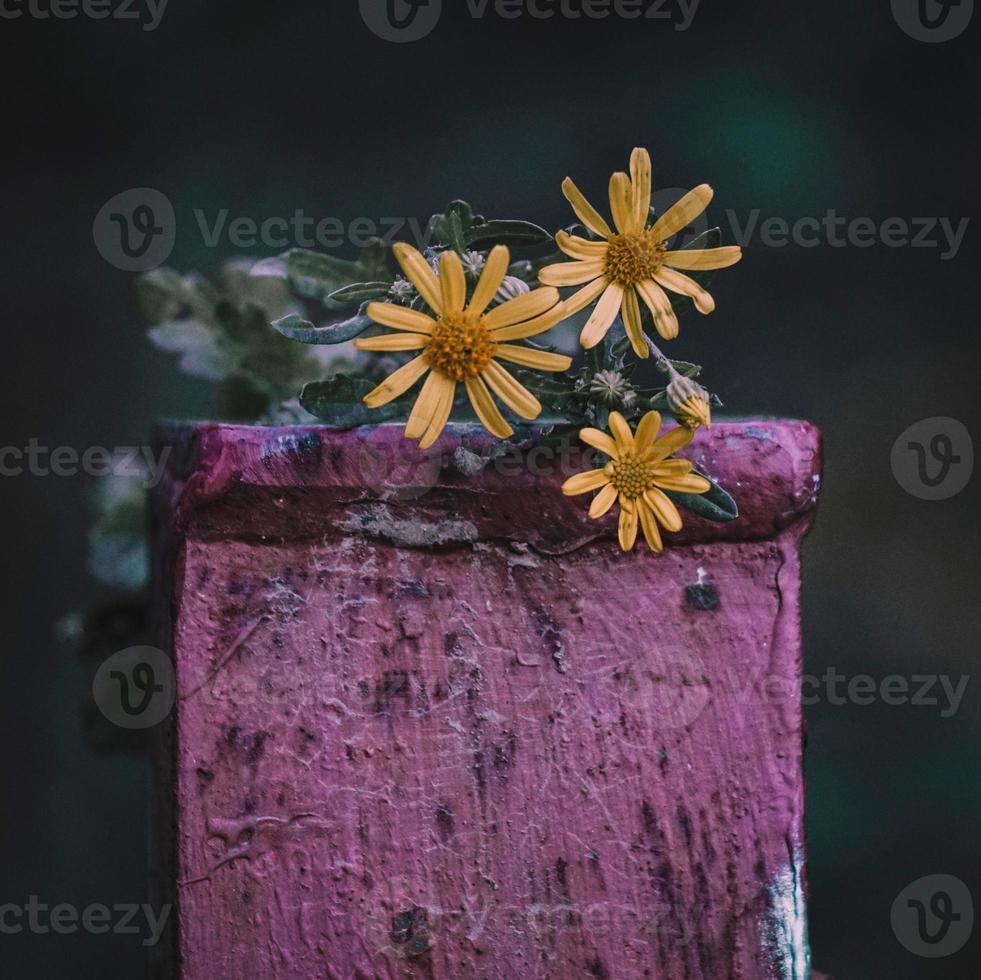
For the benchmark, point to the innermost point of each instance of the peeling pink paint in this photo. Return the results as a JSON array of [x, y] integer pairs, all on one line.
[[436, 725]]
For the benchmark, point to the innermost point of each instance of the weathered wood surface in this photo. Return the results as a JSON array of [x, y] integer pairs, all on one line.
[[451, 732]]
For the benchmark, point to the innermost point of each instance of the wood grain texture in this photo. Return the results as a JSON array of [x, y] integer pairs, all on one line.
[[441, 727]]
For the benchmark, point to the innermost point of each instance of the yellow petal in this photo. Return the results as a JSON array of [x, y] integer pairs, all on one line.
[[602, 317], [588, 215], [571, 273], [671, 442], [695, 259], [584, 482], [514, 394], [647, 430], [447, 391], [630, 309], [580, 248], [627, 530], [621, 432], [530, 328], [397, 383], [541, 360], [392, 341], [426, 405], [419, 274], [684, 484], [488, 413], [603, 501], [400, 317], [495, 269], [665, 319], [522, 308], [581, 299], [682, 214], [664, 509], [669, 468], [452, 282], [599, 440], [621, 203], [651, 533], [678, 282], [640, 181]]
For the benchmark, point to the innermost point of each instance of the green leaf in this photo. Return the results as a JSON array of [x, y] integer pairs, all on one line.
[[511, 233], [715, 505], [685, 368], [315, 275], [360, 292], [707, 239], [374, 259], [450, 228], [296, 328], [201, 352], [337, 402], [158, 294]]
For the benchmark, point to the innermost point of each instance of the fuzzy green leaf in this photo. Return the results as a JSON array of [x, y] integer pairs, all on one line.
[[685, 368], [296, 328], [715, 505], [510, 233], [360, 292], [201, 352], [451, 227], [337, 402], [159, 295], [373, 259], [315, 275]]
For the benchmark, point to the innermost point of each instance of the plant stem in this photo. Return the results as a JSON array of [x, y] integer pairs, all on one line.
[[661, 359]]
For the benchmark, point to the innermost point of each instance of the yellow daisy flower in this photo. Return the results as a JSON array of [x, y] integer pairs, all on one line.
[[634, 262], [463, 343], [637, 475]]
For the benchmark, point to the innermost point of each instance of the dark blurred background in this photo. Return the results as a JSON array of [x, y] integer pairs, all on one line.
[[789, 109]]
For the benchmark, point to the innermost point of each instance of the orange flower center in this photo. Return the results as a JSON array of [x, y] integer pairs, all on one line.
[[633, 258], [460, 347], [631, 475]]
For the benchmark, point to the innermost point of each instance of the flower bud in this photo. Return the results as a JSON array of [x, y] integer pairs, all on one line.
[[511, 288], [612, 389], [689, 403]]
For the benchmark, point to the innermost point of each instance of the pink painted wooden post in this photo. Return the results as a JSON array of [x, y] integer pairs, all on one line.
[[432, 723]]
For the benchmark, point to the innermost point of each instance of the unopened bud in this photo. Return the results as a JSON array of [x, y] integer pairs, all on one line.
[[689, 403], [511, 288]]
